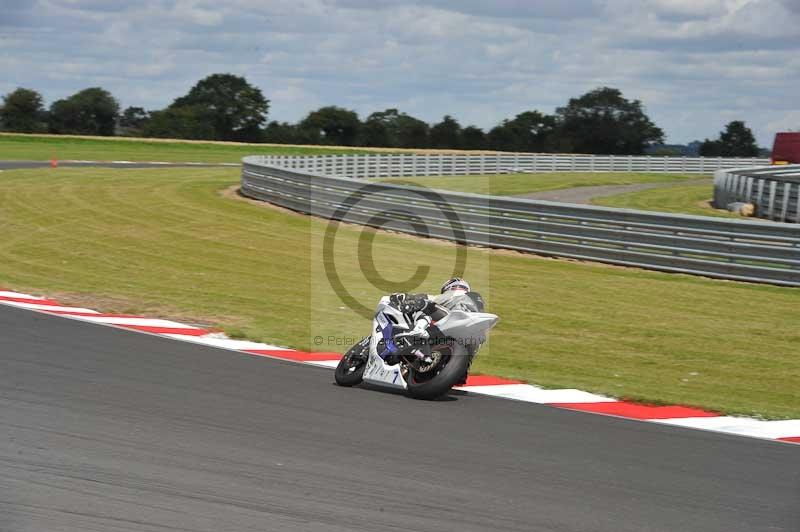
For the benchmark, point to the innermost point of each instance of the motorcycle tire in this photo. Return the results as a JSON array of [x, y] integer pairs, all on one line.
[[428, 387], [356, 357]]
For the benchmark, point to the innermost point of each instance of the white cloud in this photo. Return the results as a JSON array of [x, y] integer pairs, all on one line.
[[194, 13], [786, 121], [694, 64]]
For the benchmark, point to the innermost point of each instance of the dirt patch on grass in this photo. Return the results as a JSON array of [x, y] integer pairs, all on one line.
[[708, 204]]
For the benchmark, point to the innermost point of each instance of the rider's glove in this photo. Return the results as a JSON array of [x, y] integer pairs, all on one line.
[[421, 328]]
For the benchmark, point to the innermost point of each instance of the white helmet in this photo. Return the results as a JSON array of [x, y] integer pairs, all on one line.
[[456, 283]]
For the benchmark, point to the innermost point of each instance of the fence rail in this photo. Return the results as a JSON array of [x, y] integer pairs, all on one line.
[[729, 249], [773, 190], [407, 165]]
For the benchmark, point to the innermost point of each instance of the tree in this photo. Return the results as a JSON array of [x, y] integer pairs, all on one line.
[[185, 122], [331, 125], [281, 133], [23, 111], [710, 148], [530, 131], [446, 134], [473, 138], [665, 150], [501, 137], [402, 130], [236, 109], [92, 111], [374, 133], [603, 121], [133, 120], [736, 140], [693, 148]]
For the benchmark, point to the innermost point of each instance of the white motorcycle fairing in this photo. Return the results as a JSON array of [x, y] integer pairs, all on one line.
[[378, 372]]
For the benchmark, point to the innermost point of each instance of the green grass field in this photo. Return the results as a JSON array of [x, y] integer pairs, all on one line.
[[165, 242], [677, 198], [686, 199], [515, 184], [44, 148]]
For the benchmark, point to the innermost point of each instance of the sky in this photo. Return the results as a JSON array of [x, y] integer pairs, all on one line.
[[695, 64]]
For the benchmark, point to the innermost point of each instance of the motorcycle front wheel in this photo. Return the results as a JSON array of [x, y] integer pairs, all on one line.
[[350, 370], [451, 364]]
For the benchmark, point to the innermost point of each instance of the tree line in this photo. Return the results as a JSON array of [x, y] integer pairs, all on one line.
[[227, 107]]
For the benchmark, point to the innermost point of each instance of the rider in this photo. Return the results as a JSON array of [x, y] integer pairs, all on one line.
[[454, 294], [425, 310]]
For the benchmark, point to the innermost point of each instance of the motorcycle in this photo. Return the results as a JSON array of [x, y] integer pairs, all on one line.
[[395, 356]]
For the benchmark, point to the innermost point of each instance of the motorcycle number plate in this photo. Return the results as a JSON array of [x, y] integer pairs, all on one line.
[[378, 372]]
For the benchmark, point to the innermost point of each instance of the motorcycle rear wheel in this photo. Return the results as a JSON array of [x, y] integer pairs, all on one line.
[[440, 379], [350, 370]]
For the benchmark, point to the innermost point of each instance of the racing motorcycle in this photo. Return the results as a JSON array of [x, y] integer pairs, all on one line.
[[395, 356]]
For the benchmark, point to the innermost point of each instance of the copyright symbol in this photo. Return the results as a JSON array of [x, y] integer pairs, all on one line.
[[376, 205], [318, 340]]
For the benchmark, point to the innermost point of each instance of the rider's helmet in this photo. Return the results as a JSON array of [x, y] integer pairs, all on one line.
[[456, 283]]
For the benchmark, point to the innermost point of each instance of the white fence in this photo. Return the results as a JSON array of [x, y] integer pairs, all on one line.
[[405, 165]]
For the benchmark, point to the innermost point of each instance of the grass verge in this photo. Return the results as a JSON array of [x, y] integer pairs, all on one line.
[[46, 147], [515, 184], [688, 199], [166, 242]]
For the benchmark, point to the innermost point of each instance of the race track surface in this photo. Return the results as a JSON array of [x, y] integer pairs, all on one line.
[[117, 430]]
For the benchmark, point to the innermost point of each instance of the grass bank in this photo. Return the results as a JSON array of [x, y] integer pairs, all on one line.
[[45, 147], [677, 197], [688, 199], [166, 242]]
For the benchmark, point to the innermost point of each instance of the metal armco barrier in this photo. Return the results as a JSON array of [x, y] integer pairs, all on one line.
[[715, 247], [774, 190]]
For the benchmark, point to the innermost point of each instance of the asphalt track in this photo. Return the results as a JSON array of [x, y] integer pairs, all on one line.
[[107, 429]]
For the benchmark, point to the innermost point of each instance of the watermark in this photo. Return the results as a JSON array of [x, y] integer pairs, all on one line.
[[338, 341], [421, 212]]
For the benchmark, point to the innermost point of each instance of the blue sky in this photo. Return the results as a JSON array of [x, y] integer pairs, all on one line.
[[695, 64]]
